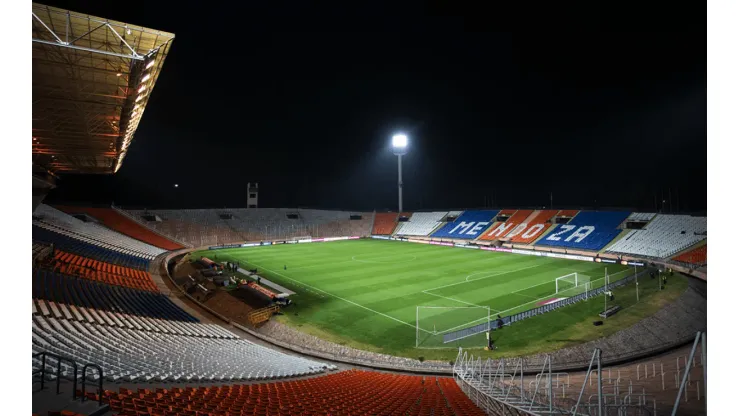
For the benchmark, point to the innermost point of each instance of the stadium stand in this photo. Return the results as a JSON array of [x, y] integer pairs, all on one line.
[[515, 224], [95, 250], [40, 251], [72, 264], [469, 225], [589, 230], [59, 222], [118, 222], [324, 223], [193, 226], [695, 256], [422, 223], [202, 227], [534, 227], [641, 216], [567, 213], [352, 392], [135, 355], [60, 288], [385, 223], [663, 237]]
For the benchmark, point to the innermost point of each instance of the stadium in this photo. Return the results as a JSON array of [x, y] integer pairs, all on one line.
[[517, 310]]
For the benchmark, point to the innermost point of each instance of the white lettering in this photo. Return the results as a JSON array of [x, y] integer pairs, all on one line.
[[564, 229], [502, 228], [519, 228], [478, 227], [533, 230], [581, 233], [465, 226]]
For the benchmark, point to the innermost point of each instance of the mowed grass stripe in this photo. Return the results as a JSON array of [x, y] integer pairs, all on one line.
[[367, 291]]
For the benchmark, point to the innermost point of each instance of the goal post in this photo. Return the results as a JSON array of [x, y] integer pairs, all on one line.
[[433, 322], [569, 281], [573, 284]]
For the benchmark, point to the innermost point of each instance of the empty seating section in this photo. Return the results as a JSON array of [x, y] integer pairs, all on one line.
[[40, 251], [55, 220], [324, 223], [71, 290], [80, 314], [72, 264], [422, 223], [515, 224], [589, 230], [117, 221], [352, 392], [385, 223], [567, 213], [134, 355], [469, 225], [203, 227], [641, 216], [106, 254], [695, 256], [534, 227], [663, 237]]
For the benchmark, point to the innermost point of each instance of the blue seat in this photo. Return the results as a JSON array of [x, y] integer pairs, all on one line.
[[62, 288], [468, 226], [86, 249], [589, 230]]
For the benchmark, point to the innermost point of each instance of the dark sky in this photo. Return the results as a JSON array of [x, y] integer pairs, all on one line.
[[604, 108]]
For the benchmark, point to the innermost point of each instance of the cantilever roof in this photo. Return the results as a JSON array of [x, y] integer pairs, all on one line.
[[92, 78]]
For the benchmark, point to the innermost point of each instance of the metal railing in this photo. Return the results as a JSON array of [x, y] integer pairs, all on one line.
[[58, 374], [100, 382]]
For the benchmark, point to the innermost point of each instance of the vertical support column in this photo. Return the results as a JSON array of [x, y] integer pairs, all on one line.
[[400, 185]]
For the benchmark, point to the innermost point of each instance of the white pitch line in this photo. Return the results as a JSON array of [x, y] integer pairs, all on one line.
[[454, 300], [486, 277], [340, 298]]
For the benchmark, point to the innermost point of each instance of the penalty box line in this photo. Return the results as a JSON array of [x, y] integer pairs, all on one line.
[[339, 297], [494, 274]]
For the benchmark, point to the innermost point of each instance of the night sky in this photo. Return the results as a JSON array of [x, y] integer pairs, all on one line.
[[602, 109]]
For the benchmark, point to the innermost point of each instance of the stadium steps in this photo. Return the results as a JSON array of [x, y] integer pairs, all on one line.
[[47, 401], [617, 238]]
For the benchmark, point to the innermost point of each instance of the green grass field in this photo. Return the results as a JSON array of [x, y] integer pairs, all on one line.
[[365, 294]]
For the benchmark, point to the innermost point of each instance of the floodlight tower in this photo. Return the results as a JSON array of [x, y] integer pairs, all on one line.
[[400, 143]]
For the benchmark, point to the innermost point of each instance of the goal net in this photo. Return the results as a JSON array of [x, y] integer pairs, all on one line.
[[433, 322], [572, 284]]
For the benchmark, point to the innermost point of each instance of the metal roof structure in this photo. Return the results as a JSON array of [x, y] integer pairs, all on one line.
[[92, 78]]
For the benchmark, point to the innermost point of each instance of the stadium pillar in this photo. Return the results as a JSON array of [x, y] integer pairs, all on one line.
[[400, 184], [400, 143]]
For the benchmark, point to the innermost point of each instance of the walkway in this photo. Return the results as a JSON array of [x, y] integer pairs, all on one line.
[[266, 282]]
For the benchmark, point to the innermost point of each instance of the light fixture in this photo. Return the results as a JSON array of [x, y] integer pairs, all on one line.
[[400, 141], [142, 88], [119, 74], [150, 64], [139, 98], [146, 77]]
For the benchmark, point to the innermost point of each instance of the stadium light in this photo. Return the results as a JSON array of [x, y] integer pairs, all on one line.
[[149, 65], [400, 144], [142, 88], [146, 77], [400, 141]]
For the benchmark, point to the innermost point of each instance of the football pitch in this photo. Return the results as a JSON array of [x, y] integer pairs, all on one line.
[[382, 294]]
